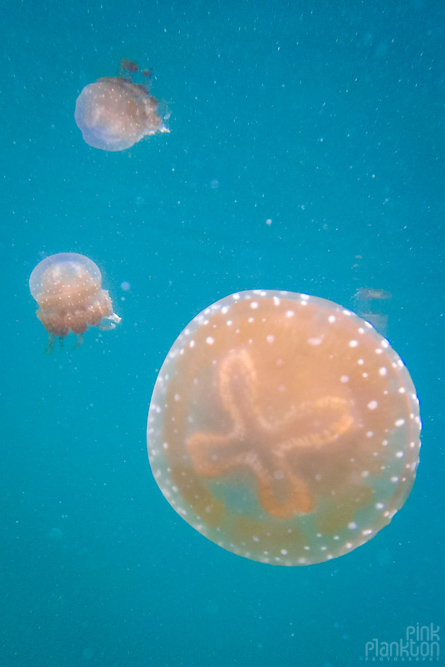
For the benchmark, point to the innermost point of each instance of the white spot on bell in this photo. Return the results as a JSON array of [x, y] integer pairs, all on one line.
[[315, 341]]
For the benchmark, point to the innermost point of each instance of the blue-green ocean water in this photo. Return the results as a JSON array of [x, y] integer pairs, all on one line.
[[325, 119]]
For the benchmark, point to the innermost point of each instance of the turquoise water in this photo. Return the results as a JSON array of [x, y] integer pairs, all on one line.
[[306, 153]]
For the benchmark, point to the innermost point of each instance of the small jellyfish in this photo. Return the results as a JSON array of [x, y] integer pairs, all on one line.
[[68, 289], [372, 294], [372, 304], [114, 113]]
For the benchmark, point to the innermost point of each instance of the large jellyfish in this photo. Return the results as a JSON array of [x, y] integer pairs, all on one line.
[[114, 113], [284, 428], [68, 289]]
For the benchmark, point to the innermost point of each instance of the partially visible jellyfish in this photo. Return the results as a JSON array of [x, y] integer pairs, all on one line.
[[372, 294], [68, 289], [114, 113], [371, 304]]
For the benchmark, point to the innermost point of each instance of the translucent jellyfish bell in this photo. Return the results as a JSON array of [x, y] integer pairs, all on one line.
[[68, 290], [114, 113], [284, 428]]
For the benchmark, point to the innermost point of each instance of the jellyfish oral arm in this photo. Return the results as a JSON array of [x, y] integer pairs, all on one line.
[[109, 322]]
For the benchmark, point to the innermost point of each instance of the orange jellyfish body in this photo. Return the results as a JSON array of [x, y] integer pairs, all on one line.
[[114, 113], [68, 289], [284, 428]]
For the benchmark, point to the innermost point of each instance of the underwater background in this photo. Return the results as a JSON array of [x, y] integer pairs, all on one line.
[[306, 154]]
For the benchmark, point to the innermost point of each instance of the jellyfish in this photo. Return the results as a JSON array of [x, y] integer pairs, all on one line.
[[283, 428], [372, 294], [114, 113], [68, 289], [372, 305]]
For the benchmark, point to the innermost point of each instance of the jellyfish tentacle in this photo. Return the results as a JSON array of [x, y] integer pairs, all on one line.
[[50, 345]]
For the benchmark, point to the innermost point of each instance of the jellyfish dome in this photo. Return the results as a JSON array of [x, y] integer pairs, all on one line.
[[114, 113], [284, 428], [68, 290]]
